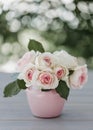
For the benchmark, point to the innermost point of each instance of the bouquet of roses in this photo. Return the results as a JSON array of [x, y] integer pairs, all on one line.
[[45, 71]]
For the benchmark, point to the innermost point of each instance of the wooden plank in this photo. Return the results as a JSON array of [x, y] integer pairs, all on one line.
[[54, 124], [71, 112]]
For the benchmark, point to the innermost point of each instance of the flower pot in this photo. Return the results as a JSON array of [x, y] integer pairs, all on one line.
[[45, 104]]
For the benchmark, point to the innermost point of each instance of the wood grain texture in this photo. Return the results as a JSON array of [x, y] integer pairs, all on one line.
[[77, 114]]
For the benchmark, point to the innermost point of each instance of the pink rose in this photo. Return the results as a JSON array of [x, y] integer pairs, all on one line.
[[28, 57], [27, 74], [44, 80], [79, 77], [45, 60], [61, 72]]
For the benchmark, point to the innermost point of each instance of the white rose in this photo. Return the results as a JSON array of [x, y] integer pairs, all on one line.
[[44, 80], [45, 60], [27, 58], [27, 74], [79, 77], [66, 59]]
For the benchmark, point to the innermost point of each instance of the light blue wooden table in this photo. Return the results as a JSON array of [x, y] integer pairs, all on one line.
[[77, 115]]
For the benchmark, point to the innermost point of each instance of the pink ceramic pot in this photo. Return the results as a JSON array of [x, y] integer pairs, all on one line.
[[45, 104]]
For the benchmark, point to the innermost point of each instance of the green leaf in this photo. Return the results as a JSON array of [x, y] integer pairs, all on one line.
[[21, 84], [11, 89], [35, 45], [71, 72], [63, 89], [46, 90]]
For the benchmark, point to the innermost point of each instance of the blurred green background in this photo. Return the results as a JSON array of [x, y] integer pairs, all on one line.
[[58, 24]]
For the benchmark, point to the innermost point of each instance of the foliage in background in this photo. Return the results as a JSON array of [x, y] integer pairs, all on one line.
[[66, 24]]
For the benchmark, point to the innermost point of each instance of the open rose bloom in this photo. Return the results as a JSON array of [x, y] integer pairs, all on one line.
[[43, 71]]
